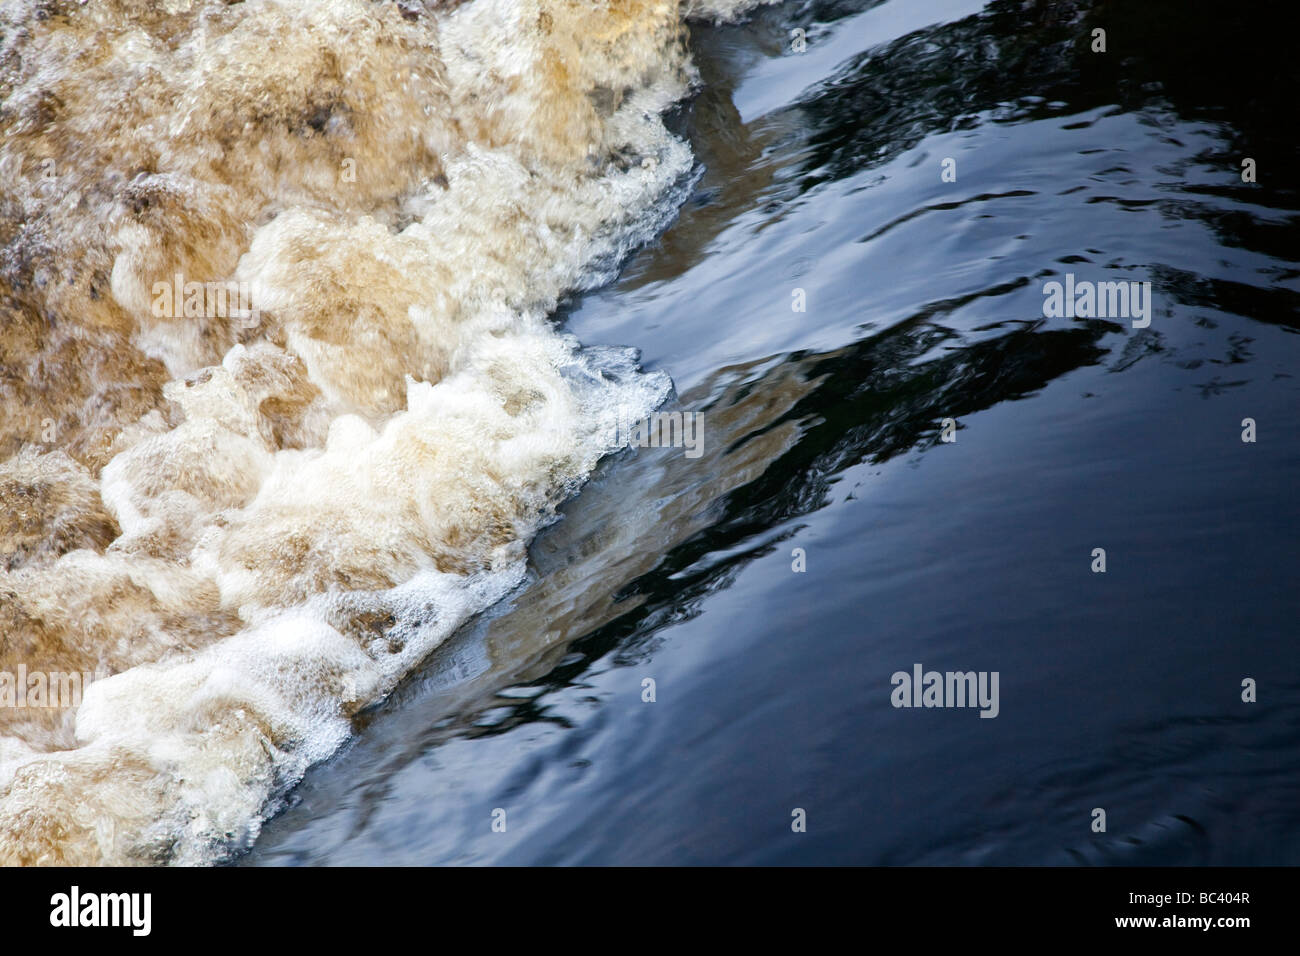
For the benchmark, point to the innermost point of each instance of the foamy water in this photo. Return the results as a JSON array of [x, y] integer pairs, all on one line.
[[257, 514]]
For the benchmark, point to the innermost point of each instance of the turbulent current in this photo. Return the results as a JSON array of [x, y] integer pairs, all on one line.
[[251, 513]]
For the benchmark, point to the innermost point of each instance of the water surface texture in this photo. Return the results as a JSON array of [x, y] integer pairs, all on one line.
[[317, 554], [924, 301]]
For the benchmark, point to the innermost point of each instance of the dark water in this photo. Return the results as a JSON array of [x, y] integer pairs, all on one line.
[[1121, 690]]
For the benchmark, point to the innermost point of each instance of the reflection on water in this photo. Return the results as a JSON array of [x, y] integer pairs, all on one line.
[[1119, 691]]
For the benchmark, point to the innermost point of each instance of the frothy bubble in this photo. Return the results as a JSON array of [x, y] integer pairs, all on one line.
[[258, 512]]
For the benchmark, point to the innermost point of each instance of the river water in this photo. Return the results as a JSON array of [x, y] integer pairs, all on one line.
[[317, 551], [1119, 691]]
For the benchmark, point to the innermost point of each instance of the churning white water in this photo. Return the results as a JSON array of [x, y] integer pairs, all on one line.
[[256, 512]]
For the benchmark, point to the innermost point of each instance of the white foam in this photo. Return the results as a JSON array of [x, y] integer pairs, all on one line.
[[319, 501]]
